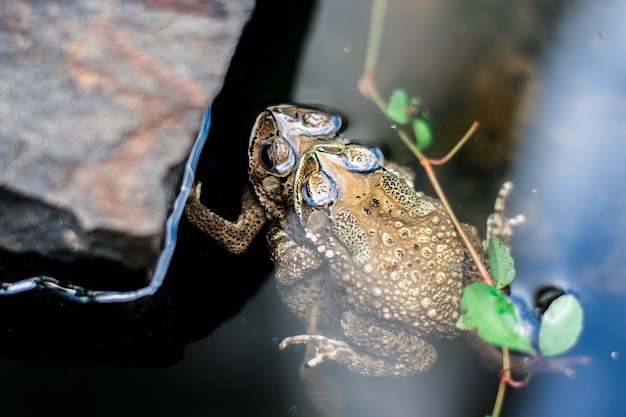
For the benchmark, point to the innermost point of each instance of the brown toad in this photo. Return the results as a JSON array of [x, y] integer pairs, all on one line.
[[372, 267], [397, 266]]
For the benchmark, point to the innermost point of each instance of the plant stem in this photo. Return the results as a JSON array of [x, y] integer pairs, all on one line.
[[504, 378], [426, 164], [368, 88], [507, 379], [377, 20], [456, 148]]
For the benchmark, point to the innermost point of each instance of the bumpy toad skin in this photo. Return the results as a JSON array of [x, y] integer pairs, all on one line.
[[396, 263], [373, 268]]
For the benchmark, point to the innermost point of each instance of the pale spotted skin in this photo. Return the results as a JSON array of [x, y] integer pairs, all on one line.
[[375, 271], [397, 266]]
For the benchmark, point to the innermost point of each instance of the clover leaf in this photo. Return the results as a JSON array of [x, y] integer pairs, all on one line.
[[494, 317], [561, 326], [402, 110], [397, 106], [502, 265], [423, 133]]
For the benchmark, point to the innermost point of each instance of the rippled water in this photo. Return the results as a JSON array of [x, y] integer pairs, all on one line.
[[549, 88]]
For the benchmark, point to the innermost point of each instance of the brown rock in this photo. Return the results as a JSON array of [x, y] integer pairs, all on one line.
[[100, 103]]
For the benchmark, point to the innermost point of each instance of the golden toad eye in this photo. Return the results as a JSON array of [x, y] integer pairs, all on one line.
[[294, 122], [320, 123], [277, 156], [318, 189], [313, 119], [360, 159]]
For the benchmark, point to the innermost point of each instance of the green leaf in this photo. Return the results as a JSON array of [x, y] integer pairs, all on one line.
[[423, 133], [493, 316], [502, 265], [415, 101], [397, 106], [561, 326]]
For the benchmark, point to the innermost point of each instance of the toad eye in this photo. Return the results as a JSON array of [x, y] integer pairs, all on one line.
[[277, 156], [318, 189], [313, 119], [361, 159], [320, 123], [294, 122]]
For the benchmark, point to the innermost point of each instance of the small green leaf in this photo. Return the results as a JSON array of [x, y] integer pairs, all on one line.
[[396, 108], [494, 317], [561, 326], [423, 133], [502, 265], [415, 101]]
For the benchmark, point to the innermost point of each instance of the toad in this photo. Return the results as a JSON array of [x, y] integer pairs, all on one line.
[[375, 269], [396, 264]]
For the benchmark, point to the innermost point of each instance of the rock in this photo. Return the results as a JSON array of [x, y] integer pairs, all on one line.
[[100, 105]]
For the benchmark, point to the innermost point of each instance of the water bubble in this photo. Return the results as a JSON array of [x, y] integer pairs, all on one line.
[[615, 355], [274, 340], [346, 48], [534, 191], [243, 321]]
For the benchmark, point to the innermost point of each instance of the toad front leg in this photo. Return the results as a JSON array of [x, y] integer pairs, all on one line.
[[497, 223], [379, 351], [292, 260], [236, 236]]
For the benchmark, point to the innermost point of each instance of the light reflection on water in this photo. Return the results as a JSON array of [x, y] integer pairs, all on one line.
[[573, 155]]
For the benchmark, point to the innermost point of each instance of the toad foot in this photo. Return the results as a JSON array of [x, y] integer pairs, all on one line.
[[325, 348]]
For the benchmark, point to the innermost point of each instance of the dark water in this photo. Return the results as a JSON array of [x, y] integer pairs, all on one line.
[[548, 85]]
